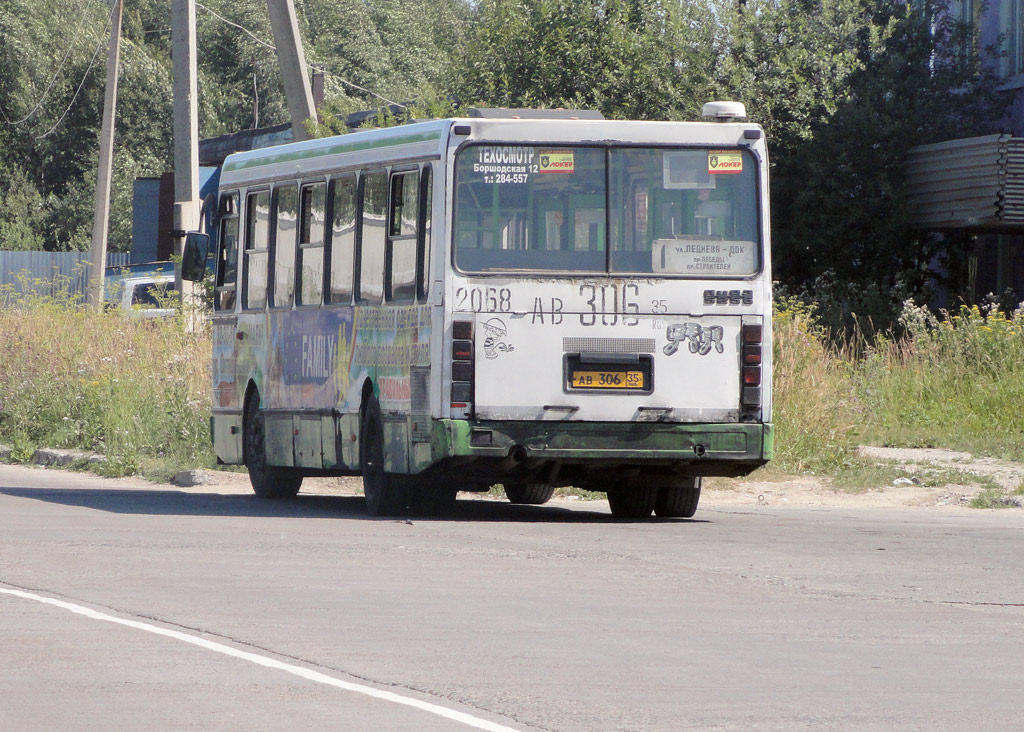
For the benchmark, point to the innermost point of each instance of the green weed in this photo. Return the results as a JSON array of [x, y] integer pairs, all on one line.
[[861, 475], [817, 414], [954, 382], [994, 498], [136, 391]]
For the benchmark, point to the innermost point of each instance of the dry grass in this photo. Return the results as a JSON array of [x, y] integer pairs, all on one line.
[[816, 409], [137, 391]]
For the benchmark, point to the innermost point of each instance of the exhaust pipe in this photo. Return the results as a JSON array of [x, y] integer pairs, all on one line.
[[516, 457]]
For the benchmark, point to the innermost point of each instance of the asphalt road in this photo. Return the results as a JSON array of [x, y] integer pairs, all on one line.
[[127, 606]]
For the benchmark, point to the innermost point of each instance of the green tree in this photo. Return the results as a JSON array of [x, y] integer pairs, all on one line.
[[21, 212], [52, 76], [44, 135], [639, 59], [845, 88], [400, 50], [51, 94]]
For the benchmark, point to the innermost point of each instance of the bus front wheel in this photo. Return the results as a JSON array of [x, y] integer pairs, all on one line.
[[678, 501], [632, 503], [268, 481], [386, 494], [533, 494]]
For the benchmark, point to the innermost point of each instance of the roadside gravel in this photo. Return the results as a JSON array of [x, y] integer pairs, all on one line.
[[918, 487], [932, 479]]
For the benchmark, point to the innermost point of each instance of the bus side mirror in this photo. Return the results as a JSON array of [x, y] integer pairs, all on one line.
[[193, 256]]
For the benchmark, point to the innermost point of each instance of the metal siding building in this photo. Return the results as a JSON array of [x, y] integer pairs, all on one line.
[[975, 184], [49, 272]]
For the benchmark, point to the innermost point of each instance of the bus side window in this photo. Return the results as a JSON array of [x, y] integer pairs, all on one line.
[[257, 235], [403, 217], [227, 253], [372, 239], [343, 238], [423, 240], [285, 225], [311, 244]]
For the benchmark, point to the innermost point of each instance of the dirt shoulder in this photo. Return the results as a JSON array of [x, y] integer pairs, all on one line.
[[930, 478]]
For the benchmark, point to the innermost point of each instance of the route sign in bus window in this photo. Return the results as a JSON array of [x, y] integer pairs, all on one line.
[[684, 212], [530, 208]]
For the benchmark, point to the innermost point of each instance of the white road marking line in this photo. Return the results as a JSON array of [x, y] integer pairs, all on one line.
[[305, 673]]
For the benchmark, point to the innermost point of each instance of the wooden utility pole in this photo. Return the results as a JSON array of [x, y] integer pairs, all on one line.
[[292, 60], [186, 128], [101, 215]]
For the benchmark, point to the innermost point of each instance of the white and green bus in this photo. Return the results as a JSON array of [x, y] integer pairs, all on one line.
[[524, 298]]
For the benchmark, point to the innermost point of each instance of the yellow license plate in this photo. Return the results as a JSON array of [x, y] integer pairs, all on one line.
[[608, 379]]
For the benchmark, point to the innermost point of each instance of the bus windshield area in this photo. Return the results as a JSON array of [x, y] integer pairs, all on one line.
[[587, 209]]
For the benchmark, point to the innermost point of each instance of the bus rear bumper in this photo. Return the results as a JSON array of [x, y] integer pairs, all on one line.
[[696, 449]]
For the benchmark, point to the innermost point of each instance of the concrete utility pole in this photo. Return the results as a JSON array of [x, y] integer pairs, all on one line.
[[292, 60], [186, 127], [101, 217]]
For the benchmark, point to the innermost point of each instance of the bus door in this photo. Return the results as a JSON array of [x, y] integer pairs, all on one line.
[[224, 326]]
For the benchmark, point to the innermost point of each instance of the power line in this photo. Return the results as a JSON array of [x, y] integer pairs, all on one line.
[[312, 62], [363, 89], [84, 77], [236, 25], [60, 66]]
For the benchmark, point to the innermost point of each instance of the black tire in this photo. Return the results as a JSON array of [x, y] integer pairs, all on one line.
[[678, 501], [533, 494], [632, 503], [268, 481], [386, 495]]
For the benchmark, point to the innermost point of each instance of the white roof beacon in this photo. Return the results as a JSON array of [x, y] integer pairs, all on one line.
[[724, 111]]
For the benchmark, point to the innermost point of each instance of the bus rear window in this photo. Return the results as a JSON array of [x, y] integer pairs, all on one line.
[[683, 212], [530, 208], [662, 211]]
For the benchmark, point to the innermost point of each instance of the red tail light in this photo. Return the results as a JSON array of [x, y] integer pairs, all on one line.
[[750, 397], [462, 364]]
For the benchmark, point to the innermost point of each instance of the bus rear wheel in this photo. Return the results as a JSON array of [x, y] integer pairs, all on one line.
[[678, 501], [268, 481], [533, 494], [386, 494], [632, 503]]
